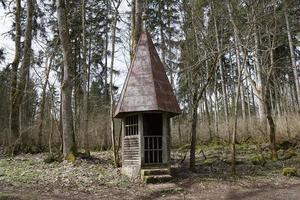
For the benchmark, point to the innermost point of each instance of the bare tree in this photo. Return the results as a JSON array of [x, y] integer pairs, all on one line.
[[224, 91], [294, 66], [24, 71], [48, 64]]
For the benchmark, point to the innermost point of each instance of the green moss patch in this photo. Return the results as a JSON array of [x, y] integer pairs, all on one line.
[[71, 157], [258, 160], [289, 171], [50, 158], [208, 162], [288, 154]]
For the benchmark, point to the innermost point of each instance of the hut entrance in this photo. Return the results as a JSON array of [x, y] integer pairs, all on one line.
[[153, 134]]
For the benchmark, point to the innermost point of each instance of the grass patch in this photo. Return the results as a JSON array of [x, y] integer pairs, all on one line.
[[184, 148], [9, 197], [18, 171], [288, 154], [42, 169]]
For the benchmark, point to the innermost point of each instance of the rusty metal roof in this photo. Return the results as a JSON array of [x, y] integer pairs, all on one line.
[[146, 87]]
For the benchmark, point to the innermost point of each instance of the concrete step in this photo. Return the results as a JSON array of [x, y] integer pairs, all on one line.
[[157, 178], [155, 171]]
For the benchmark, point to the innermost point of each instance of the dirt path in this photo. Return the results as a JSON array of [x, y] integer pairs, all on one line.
[[223, 190], [291, 192], [231, 191]]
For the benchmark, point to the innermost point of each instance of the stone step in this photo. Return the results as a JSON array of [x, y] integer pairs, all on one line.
[[157, 178], [155, 171]]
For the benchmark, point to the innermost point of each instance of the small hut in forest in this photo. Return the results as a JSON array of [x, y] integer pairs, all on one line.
[[146, 104]]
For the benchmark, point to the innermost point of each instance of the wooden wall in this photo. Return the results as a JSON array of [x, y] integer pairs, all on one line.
[[131, 151]]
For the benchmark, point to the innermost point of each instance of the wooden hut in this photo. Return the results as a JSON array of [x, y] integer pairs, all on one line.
[[146, 104]]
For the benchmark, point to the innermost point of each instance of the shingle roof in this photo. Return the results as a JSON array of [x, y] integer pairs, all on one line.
[[146, 87]]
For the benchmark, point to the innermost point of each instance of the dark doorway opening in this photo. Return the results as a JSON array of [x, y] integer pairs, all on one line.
[[152, 125]]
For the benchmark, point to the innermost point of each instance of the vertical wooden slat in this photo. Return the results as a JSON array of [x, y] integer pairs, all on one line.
[[153, 149], [148, 150], [155, 154]]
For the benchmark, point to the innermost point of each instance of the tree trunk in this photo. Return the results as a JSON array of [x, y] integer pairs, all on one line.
[[51, 129], [249, 103], [259, 81], [105, 132], [239, 89], [14, 120], [60, 115], [293, 60], [194, 132], [233, 139], [69, 145], [208, 117], [43, 101], [138, 24], [78, 90], [179, 129], [271, 124], [86, 77], [206, 103], [132, 28], [224, 92], [112, 125], [234, 133], [237, 55], [216, 106], [17, 101], [268, 103]]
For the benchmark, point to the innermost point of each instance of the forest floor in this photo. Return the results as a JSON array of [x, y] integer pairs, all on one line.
[[27, 176]]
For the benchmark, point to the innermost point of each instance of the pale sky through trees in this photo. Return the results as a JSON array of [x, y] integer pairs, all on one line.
[[121, 54], [5, 41]]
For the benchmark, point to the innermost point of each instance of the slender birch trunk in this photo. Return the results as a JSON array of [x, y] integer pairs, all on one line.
[[193, 131], [86, 77], [216, 106], [106, 89], [224, 92], [292, 55], [43, 101], [259, 82], [112, 125]]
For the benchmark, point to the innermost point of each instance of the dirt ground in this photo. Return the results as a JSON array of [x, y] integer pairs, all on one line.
[[201, 190], [27, 177]]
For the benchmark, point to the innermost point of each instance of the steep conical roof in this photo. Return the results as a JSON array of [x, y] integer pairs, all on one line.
[[146, 87]]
